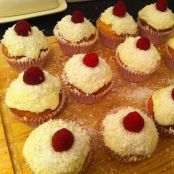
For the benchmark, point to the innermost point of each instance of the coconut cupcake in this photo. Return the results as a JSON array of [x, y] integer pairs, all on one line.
[[169, 57], [129, 134], [160, 106], [87, 77], [137, 59], [58, 147], [24, 46], [75, 34], [156, 22], [115, 24], [35, 96]]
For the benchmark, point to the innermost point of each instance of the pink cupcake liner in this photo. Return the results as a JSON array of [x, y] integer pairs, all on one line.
[[133, 76], [156, 37], [39, 120], [71, 48], [126, 158], [84, 98], [169, 59], [110, 42], [165, 131], [23, 64]]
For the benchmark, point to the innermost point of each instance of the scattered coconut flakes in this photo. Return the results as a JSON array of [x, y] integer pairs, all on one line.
[[140, 93]]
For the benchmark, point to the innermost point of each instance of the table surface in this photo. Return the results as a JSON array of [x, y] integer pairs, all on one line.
[[92, 10]]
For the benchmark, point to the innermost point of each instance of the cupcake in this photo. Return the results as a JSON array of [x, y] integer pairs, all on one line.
[[75, 34], [156, 22], [129, 134], [137, 59], [87, 77], [35, 96], [115, 24], [160, 107], [58, 147], [169, 57], [24, 46]]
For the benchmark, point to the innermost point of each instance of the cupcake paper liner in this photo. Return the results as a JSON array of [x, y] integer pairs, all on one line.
[[72, 48], [133, 76], [126, 158], [110, 42], [39, 120], [84, 98], [164, 131], [169, 59], [23, 64], [156, 37]]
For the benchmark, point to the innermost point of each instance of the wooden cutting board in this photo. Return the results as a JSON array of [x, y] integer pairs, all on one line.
[[90, 117]]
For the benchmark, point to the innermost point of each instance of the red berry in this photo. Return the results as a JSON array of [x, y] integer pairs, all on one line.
[[143, 43], [119, 9], [22, 28], [77, 17], [62, 140], [173, 94], [91, 60], [161, 5], [133, 122], [33, 76]]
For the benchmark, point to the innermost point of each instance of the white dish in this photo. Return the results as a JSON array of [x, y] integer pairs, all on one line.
[[61, 5]]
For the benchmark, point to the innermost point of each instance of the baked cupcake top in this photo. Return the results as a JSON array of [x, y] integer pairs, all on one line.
[[163, 104], [130, 131], [170, 42], [138, 54], [57, 147], [22, 40], [121, 22], [157, 16], [87, 72], [75, 28], [34, 90]]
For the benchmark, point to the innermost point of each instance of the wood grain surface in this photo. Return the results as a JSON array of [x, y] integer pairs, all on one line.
[[90, 117]]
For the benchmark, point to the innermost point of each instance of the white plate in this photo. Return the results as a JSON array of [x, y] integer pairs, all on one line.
[[62, 5]]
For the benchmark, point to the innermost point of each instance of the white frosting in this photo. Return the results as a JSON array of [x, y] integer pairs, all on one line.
[[74, 32], [29, 46], [123, 142], [170, 43], [155, 18], [163, 106], [34, 98], [42, 158], [119, 25], [87, 79], [136, 59]]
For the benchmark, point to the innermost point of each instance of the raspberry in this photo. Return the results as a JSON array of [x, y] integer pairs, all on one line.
[[161, 5], [22, 28], [77, 17], [119, 9], [133, 122], [33, 76], [91, 60], [62, 140], [173, 94], [143, 43]]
